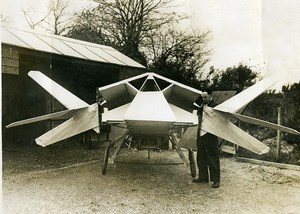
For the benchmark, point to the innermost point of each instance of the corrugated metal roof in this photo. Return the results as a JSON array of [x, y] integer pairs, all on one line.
[[64, 46]]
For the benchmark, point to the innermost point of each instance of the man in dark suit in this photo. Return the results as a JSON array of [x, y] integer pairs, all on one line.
[[207, 146]]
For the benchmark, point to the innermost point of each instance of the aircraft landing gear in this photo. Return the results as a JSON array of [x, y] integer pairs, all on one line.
[[105, 159], [192, 163], [111, 151]]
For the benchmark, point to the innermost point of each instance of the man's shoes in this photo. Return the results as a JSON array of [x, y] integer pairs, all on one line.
[[197, 180], [215, 185]]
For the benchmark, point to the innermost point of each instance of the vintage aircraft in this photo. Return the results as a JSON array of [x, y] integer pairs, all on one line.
[[150, 106]]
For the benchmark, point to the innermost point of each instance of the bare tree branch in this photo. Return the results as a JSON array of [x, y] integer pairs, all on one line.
[[32, 24], [55, 21], [124, 24], [179, 55]]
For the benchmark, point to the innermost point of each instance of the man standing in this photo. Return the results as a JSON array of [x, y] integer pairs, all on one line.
[[207, 147]]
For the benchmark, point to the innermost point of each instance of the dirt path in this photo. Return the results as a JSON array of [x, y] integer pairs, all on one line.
[[162, 187]]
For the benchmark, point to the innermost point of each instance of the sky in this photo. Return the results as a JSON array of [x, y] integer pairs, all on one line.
[[36, 8], [263, 34], [235, 28]]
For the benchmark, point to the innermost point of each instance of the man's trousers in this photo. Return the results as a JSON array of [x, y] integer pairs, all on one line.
[[208, 157]]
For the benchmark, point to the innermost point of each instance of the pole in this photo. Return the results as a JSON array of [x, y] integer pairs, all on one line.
[[279, 122]]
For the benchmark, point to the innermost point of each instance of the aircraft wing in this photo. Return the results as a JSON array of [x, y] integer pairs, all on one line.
[[58, 115], [255, 121], [216, 123], [84, 120], [234, 104], [69, 100], [240, 100]]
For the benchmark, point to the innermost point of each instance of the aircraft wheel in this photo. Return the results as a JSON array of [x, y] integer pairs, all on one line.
[[105, 160], [192, 163]]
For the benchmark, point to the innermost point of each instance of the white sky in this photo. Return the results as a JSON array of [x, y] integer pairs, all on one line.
[[37, 8], [264, 34], [235, 26], [260, 33]]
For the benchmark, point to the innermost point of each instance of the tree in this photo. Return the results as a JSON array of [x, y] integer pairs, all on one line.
[[123, 24], [179, 55], [5, 19], [291, 108], [86, 28], [56, 20], [59, 22], [30, 20], [233, 78], [265, 107]]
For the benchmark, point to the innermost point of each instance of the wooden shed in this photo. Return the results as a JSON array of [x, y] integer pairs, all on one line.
[[77, 65]]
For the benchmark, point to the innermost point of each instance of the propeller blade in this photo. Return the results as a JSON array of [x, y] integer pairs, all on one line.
[[69, 100], [259, 122], [240, 100], [56, 115], [85, 119], [216, 123]]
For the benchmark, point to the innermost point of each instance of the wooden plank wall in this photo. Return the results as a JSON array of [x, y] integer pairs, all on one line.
[[10, 60]]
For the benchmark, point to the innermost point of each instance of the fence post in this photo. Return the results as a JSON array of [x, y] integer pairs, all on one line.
[[279, 122]]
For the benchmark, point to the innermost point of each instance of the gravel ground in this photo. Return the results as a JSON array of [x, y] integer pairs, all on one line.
[[67, 179]]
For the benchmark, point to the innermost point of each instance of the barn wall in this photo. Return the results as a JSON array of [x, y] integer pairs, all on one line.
[[126, 72], [10, 60]]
